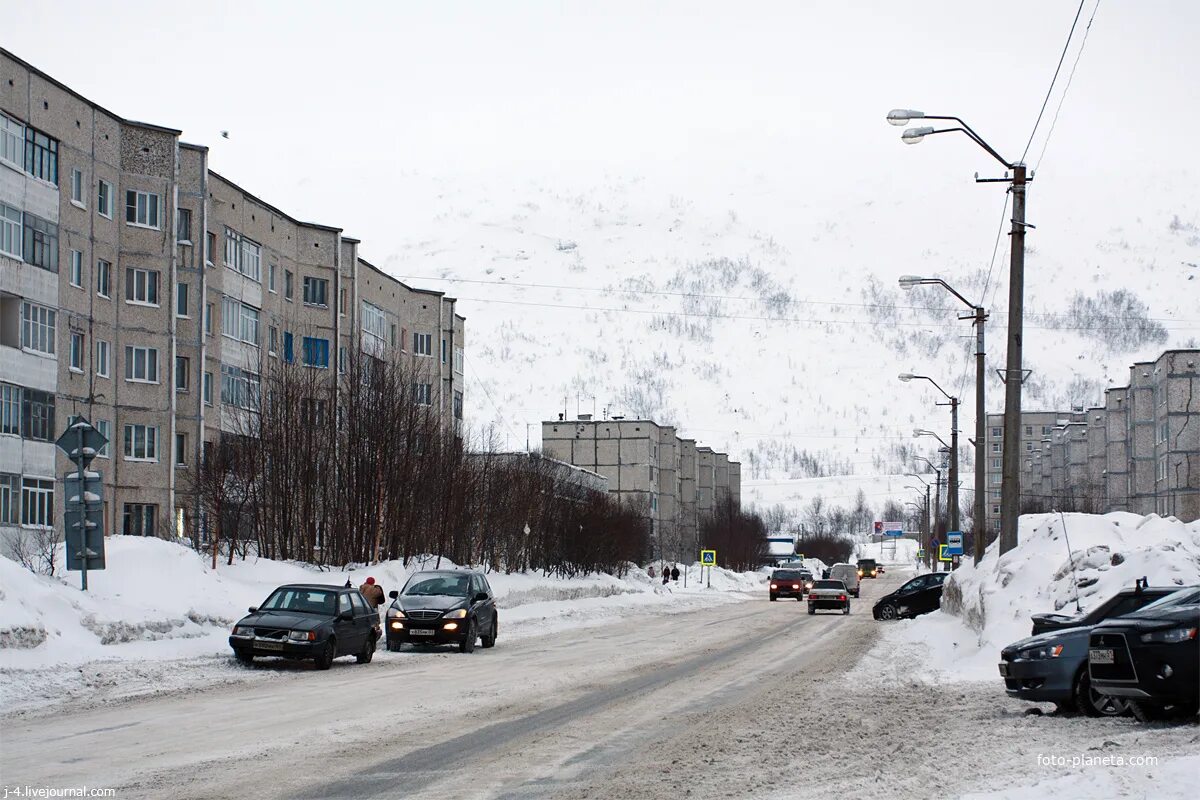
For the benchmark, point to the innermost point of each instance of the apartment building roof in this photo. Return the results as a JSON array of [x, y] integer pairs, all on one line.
[[274, 209], [60, 85]]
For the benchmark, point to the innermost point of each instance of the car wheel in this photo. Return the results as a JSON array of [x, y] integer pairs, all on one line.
[[393, 647], [1094, 704], [245, 659], [799, 599], [1147, 712], [490, 639], [846, 610], [467, 645], [888, 612], [812, 610], [773, 598], [368, 651], [324, 659]]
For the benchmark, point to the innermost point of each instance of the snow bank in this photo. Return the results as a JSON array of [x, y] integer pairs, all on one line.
[[987, 607]]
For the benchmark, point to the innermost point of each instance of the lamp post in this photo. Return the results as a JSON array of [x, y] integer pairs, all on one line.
[[1013, 374], [937, 493], [979, 531], [952, 480], [952, 489]]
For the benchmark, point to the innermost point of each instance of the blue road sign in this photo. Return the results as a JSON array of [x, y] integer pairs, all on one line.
[[954, 543]]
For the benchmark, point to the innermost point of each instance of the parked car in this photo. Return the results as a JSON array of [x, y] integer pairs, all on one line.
[[787, 583], [868, 568], [918, 596], [443, 607], [828, 594], [1052, 666], [1120, 604], [1151, 657], [847, 574], [308, 621]]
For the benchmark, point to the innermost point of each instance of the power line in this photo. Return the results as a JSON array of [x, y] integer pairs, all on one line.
[[1050, 90], [1067, 88]]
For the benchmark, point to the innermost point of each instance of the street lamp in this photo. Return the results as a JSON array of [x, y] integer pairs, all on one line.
[[1013, 374], [937, 497], [952, 489], [980, 316]]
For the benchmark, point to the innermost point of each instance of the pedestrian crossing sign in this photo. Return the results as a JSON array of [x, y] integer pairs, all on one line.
[[708, 558]]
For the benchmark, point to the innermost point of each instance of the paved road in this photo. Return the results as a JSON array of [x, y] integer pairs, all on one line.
[[530, 718]]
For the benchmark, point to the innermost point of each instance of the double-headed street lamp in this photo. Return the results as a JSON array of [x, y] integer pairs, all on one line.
[[980, 316], [952, 496], [1013, 374]]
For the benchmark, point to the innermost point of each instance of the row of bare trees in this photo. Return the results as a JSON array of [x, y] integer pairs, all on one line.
[[362, 464]]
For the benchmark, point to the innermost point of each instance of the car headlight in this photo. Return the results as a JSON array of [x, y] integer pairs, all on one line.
[[1039, 653], [302, 636], [243, 630], [458, 613], [395, 613], [1170, 635]]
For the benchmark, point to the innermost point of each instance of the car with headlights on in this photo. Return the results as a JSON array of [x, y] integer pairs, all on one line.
[[1151, 657], [789, 583], [308, 621], [448, 606], [829, 594], [868, 568], [1052, 666]]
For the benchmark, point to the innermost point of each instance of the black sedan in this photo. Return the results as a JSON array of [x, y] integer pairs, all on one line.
[[443, 607], [1151, 657], [918, 596], [314, 621]]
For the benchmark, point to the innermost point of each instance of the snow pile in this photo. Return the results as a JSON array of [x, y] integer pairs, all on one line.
[[987, 607]]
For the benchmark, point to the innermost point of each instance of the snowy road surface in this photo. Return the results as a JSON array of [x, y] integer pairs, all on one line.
[[744, 700]]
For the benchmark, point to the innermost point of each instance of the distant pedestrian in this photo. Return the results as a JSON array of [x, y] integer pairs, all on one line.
[[373, 593], [666, 573], [675, 573], [650, 571]]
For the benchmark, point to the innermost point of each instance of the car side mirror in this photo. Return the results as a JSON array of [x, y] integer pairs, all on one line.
[[346, 616], [253, 609], [393, 594], [481, 596]]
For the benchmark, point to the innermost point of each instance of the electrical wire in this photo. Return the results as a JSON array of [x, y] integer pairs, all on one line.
[[1067, 88], [1050, 90]]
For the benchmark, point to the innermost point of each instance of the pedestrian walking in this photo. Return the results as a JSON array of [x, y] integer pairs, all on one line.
[[650, 571], [373, 593], [666, 573], [674, 572]]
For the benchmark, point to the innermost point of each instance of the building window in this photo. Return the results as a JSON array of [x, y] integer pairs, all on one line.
[[459, 357], [316, 352], [10, 231], [37, 502], [10, 499], [1164, 432], [458, 407], [287, 284], [997, 463], [239, 321], [10, 409], [141, 209], [272, 268], [76, 352], [316, 291], [342, 302], [141, 443], [41, 243], [423, 394], [996, 447], [210, 246], [104, 199], [996, 432], [994, 480], [77, 269], [243, 255], [183, 372], [12, 141], [239, 388], [375, 325], [37, 328], [272, 339], [207, 389], [312, 412], [1029, 447], [141, 286], [423, 344], [77, 188], [208, 312], [181, 449], [41, 155], [37, 415], [183, 226], [141, 364], [1161, 469], [139, 519], [1046, 429], [103, 427], [103, 278], [102, 358], [181, 300], [995, 509]]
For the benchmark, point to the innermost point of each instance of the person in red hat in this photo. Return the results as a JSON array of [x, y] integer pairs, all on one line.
[[373, 593]]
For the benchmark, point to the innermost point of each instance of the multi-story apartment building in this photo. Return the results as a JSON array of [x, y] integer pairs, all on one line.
[[145, 291], [1035, 425], [670, 479]]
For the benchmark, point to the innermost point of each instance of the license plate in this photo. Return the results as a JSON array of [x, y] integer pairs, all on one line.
[[261, 645], [1003, 669], [1100, 656], [420, 632]]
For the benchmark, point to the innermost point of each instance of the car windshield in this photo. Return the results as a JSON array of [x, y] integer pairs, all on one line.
[[449, 585], [302, 601], [787, 575], [1184, 597], [830, 585]]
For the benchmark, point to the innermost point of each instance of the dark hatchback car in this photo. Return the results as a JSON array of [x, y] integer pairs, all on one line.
[[1151, 657], [789, 583], [314, 621], [868, 568], [1051, 667], [918, 596], [443, 607]]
